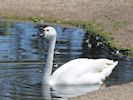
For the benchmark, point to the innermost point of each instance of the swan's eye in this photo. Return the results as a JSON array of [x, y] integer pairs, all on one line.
[[46, 30]]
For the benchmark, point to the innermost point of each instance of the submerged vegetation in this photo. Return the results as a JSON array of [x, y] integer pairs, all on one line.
[[3, 28]]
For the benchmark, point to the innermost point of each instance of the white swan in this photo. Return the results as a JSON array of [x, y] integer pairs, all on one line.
[[75, 72]]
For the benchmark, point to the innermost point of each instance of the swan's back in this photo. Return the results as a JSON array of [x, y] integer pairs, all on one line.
[[82, 69]]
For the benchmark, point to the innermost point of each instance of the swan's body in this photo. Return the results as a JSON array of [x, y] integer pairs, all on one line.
[[75, 72], [83, 71]]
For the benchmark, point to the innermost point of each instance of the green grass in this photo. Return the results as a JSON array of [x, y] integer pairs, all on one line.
[[91, 27], [4, 26], [31, 18]]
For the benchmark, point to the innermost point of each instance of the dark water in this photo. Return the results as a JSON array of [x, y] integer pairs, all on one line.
[[22, 56]]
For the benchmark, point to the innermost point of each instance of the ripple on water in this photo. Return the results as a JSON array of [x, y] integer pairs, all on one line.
[[22, 54]]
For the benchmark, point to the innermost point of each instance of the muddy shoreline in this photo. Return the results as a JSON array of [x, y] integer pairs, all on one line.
[[118, 92]]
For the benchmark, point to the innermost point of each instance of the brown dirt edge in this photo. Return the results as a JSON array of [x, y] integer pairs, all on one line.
[[118, 92]]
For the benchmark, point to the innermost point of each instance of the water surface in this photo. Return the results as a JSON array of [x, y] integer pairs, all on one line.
[[23, 54]]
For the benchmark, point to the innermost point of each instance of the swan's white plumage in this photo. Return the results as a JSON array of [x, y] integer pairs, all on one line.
[[75, 72], [83, 71]]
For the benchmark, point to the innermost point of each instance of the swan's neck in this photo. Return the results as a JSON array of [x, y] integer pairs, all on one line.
[[49, 61]]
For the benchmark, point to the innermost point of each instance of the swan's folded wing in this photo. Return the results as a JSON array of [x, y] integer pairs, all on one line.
[[74, 69]]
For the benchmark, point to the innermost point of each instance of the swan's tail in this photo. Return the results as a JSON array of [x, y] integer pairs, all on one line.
[[108, 70]]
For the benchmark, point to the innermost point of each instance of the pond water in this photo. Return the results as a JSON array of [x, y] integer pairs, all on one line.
[[23, 54]]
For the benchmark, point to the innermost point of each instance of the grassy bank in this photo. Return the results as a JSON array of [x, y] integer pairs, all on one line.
[[90, 27]]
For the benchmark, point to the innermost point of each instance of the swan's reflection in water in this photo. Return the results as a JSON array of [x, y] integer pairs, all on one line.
[[63, 92], [46, 92]]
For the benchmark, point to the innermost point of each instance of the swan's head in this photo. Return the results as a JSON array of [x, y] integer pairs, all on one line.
[[48, 32]]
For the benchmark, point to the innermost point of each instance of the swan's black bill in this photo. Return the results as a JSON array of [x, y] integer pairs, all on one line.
[[41, 31], [41, 34]]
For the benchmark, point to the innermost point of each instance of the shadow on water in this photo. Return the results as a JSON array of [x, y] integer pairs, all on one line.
[[22, 58]]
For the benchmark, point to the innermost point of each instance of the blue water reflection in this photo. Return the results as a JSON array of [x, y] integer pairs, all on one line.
[[23, 54]]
